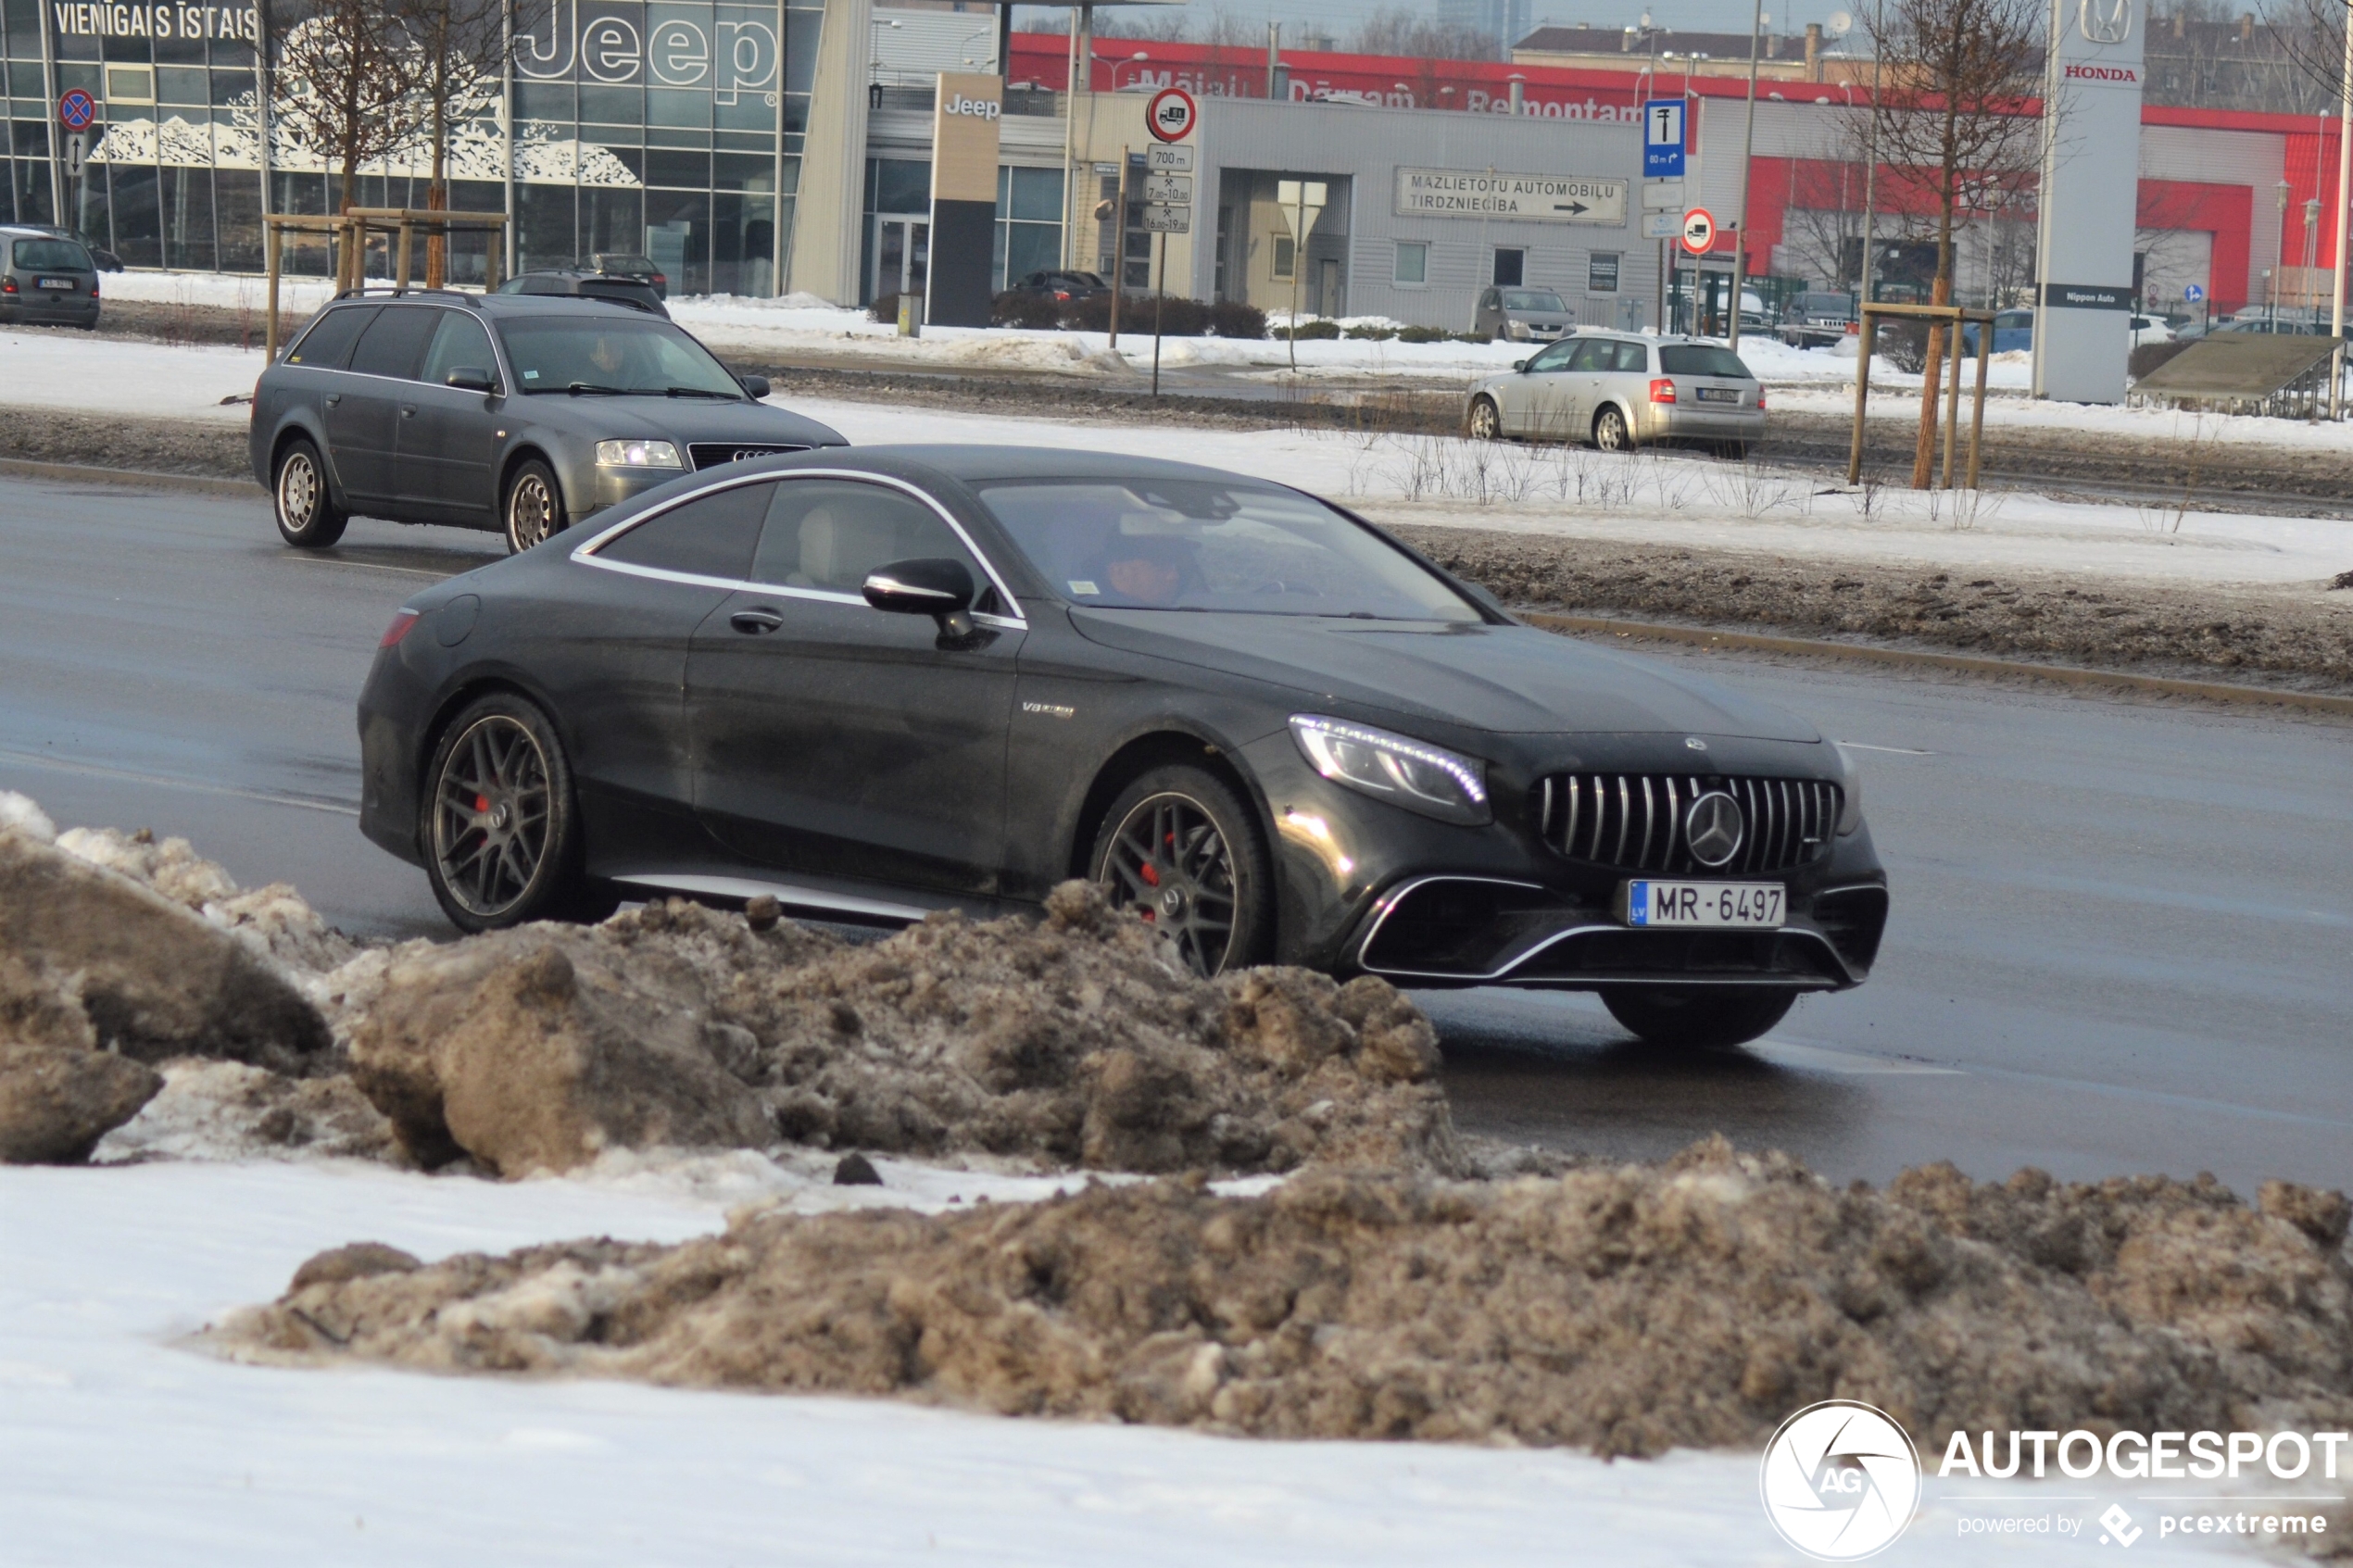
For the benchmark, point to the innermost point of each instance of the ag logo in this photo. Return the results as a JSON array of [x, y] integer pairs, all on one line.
[[1840, 1480], [2105, 21]]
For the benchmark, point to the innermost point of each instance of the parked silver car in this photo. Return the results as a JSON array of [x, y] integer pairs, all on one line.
[[1620, 390], [1521, 316]]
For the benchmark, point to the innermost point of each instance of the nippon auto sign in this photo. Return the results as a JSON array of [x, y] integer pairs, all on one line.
[[2101, 73]]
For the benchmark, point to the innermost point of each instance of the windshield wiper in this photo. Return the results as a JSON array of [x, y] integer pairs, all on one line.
[[578, 387], [700, 392]]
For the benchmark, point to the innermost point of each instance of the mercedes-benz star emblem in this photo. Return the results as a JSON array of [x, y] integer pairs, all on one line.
[[1714, 828]]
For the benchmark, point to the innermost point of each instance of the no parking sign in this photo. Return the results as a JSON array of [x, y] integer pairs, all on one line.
[[76, 110]]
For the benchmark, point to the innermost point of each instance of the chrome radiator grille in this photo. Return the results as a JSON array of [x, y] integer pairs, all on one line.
[[710, 454], [1634, 821]]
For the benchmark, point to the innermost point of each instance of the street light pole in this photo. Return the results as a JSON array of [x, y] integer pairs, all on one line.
[[1748, 150], [2344, 178]]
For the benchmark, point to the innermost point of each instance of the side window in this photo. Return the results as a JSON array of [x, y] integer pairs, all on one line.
[[1486, 300], [1594, 354], [1633, 356], [329, 341], [395, 341], [829, 533], [1554, 358], [457, 340], [711, 536]]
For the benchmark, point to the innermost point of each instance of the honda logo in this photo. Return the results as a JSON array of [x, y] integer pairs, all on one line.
[[2105, 21]]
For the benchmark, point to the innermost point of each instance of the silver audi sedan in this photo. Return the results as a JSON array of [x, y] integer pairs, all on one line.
[[1621, 390]]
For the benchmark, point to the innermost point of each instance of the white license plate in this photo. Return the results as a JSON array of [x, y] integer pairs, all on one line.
[[67, 283], [1718, 395], [1748, 904]]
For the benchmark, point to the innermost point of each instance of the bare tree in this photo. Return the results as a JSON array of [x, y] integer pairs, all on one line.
[[1394, 30], [1952, 129], [345, 84], [460, 49], [1823, 229]]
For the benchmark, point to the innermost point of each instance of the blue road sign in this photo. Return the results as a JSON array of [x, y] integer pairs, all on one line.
[[76, 110], [2193, 294], [1663, 138]]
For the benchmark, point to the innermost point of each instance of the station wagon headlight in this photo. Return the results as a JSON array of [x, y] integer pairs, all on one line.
[[638, 455], [1402, 771]]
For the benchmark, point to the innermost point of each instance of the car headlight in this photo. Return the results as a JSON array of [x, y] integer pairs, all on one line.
[[1518, 329], [1393, 768], [1850, 813], [638, 455]]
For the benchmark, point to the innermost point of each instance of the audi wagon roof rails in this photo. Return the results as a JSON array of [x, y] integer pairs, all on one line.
[[394, 291]]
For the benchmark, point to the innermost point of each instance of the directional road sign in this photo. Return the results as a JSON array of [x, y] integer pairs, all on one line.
[[1663, 138], [1172, 113], [1699, 230], [76, 110], [2193, 294]]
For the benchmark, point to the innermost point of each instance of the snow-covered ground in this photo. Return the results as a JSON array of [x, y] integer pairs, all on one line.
[[121, 1445], [806, 325], [1441, 481]]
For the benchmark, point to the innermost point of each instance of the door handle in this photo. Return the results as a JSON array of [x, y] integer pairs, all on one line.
[[334, 398], [408, 411], [755, 622]]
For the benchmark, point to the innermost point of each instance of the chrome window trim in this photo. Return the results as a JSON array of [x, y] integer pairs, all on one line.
[[586, 553], [497, 348]]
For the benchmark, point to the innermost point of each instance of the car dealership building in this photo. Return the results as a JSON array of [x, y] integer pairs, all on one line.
[[773, 149]]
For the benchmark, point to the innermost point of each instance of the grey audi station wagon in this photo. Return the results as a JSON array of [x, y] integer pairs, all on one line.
[[521, 413]]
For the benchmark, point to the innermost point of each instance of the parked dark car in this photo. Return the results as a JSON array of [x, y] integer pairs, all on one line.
[[1062, 288], [1522, 315], [1817, 318], [621, 264], [881, 681], [588, 285], [46, 280], [107, 260], [526, 413]]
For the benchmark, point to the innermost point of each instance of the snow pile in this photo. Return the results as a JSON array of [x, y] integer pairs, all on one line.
[[1626, 1310], [1079, 1040]]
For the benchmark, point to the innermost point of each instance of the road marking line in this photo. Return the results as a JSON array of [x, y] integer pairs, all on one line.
[[99, 770]]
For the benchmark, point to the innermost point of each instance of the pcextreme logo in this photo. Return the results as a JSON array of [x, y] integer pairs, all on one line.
[[1840, 1480]]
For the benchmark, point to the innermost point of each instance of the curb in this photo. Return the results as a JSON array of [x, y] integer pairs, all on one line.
[[18, 468], [1973, 664]]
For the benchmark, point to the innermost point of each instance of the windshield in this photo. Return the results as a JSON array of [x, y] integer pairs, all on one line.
[[62, 255], [1697, 359], [606, 354], [1203, 545], [1532, 299]]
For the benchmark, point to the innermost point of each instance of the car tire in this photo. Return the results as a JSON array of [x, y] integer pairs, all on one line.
[[534, 507], [1485, 422], [499, 824], [1611, 433], [307, 516], [1180, 848], [1698, 1017]]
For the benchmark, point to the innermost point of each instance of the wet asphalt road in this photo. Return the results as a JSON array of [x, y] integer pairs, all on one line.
[[2123, 939]]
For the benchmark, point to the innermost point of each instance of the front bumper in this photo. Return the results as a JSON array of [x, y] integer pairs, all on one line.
[[1364, 887]]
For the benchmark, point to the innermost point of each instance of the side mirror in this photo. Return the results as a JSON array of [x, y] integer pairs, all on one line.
[[1520, 365], [940, 588], [473, 377], [755, 387]]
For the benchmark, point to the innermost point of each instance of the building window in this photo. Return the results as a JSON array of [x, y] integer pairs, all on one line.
[[1029, 228], [1412, 263], [1601, 272], [1285, 254], [1511, 268]]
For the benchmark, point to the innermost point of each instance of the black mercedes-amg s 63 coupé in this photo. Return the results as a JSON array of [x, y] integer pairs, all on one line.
[[882, 680]]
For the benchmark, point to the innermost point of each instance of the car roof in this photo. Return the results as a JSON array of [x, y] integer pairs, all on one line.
[[491, 304], [976, 463]]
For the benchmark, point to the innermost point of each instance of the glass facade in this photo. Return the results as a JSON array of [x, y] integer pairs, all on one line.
[[669, 129]]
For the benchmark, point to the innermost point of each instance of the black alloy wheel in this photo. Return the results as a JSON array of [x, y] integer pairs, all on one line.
[[307, 517], [1698, 1017], [1180, 849], [1610, 433], [1486, 421], [501, 833], [535, 509]]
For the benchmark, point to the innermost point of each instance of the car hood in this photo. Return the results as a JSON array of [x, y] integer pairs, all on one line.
[[679, 418], [1498, 678]]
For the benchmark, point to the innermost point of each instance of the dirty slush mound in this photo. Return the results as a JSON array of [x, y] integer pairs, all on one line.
[[1625, 1310], [1076, 1040]]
